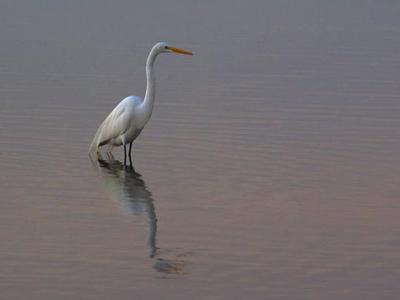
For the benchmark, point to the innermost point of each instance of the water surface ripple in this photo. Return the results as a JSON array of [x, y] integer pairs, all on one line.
[[269, 170]]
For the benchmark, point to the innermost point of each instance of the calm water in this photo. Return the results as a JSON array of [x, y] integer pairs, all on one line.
[[270, 168]]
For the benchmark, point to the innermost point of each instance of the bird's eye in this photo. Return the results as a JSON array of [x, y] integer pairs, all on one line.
[[166, 47]]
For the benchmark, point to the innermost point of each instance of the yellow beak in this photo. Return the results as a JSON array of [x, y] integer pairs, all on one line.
[[180, 51]]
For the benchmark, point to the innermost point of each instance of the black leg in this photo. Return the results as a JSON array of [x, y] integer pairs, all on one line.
[[124, 154], [130, 154]]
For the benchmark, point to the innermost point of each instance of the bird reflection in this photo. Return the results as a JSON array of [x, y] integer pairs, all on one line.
[[129, 190]]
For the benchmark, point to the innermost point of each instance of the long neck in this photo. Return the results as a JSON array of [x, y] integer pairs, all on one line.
[[148, 101]]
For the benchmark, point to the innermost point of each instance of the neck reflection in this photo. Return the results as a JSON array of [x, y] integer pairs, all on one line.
[[129, 190]]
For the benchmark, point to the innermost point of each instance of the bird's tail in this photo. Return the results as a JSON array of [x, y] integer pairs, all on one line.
[[102, 135], [94, 146]]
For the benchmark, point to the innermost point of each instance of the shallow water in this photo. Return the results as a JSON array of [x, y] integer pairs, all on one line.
[[269, 170]]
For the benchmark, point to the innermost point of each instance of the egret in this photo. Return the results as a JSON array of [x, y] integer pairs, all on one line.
[[127, 120]]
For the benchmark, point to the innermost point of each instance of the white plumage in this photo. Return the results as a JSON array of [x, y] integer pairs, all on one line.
[[120, 125], [127, 119]]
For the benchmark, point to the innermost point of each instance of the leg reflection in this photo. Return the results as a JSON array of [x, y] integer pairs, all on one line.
[[129, 190]]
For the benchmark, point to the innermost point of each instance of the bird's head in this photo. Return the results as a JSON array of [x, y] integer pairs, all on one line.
[[163, 47]]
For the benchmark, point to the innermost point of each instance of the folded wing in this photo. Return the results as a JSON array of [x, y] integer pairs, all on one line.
[[114, 126]]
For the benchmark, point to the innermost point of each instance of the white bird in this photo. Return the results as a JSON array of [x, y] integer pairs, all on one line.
[[125, 122]]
